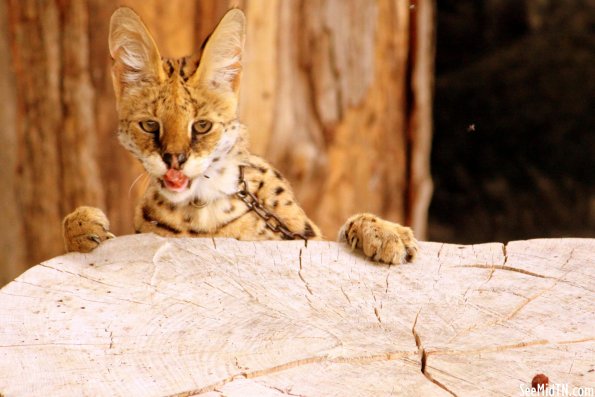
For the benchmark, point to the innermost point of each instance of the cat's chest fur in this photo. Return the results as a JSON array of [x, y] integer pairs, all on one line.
[[215, 208], [209, 204], [193, 218]]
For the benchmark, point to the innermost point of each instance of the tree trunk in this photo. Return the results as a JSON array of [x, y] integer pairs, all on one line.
[[149, 316], [11, 219], [335, 93], [56, 163], [341, 106]]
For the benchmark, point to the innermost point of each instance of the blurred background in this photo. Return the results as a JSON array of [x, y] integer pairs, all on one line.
[[471, 121], [514, 129]]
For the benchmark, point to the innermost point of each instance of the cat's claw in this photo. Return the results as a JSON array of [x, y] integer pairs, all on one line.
[[95, 238], [85, 229]]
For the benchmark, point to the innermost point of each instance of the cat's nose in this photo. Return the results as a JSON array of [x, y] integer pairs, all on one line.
[[174, 160]]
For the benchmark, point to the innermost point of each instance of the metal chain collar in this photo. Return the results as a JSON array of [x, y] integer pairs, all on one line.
[[271, 220]]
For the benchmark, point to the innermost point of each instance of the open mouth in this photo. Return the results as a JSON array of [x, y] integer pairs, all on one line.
[[175, 181]]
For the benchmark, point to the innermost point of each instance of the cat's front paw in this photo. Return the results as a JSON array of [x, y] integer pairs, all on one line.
[[84, 229], [380, 240]]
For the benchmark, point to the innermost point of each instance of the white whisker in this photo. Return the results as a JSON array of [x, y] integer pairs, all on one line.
[[135, 181]]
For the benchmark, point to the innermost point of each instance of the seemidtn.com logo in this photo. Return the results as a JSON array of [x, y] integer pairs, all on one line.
[[557, 389]]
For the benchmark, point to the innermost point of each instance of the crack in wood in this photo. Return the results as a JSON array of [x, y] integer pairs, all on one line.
[[362, 360], [504, 267], [262, 291], [73, 293], [424, 357], [386, 280], [502, 319], [520, 345], [345, 294], [505, 253], [440, 251], [491, 349], [377, 314], [302, 277], [78, 275], [282, 391], [568, 259], [111, 339]]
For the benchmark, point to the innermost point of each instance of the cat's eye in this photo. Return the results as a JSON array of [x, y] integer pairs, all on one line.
[[150, 126], [202, 127]]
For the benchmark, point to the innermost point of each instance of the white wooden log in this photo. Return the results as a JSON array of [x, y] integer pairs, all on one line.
[[149, 316]]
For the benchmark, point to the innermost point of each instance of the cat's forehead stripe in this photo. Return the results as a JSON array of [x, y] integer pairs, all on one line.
[[182, 67]]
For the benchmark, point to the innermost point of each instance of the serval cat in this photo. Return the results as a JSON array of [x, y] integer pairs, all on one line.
[[180, 119]]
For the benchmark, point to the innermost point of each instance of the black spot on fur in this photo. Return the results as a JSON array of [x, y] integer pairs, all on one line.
[[275, 203], [262, 169], [167, 227], [216, 159], [147, 216], [171, 206], [169, 67], [288, 203], [260, 185], [308, 231], [182, 65], [279, 190], [278, 175], [229, 210], [187, 218]]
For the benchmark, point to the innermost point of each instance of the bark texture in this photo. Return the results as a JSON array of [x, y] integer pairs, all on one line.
[[339, 104], [336, 94]]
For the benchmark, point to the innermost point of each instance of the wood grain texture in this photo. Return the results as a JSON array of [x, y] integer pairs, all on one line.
[[11, 243], [144, 315], [335, 109], [420, 118], [324, 95]]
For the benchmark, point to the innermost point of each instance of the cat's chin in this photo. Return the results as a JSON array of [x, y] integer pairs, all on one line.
[[178, 194]]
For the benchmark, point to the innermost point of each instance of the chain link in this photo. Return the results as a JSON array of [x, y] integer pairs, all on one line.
[[271, 220]]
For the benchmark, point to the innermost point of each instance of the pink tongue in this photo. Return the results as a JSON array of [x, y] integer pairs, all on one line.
[[175, 180]]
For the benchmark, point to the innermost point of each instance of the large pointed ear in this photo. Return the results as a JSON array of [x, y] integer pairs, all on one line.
[[133, 50], [220, 65]]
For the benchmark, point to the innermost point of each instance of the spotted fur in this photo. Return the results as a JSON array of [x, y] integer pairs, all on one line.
[[172, 96]]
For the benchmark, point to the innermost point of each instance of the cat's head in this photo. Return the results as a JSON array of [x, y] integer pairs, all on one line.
[[178, 117]]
